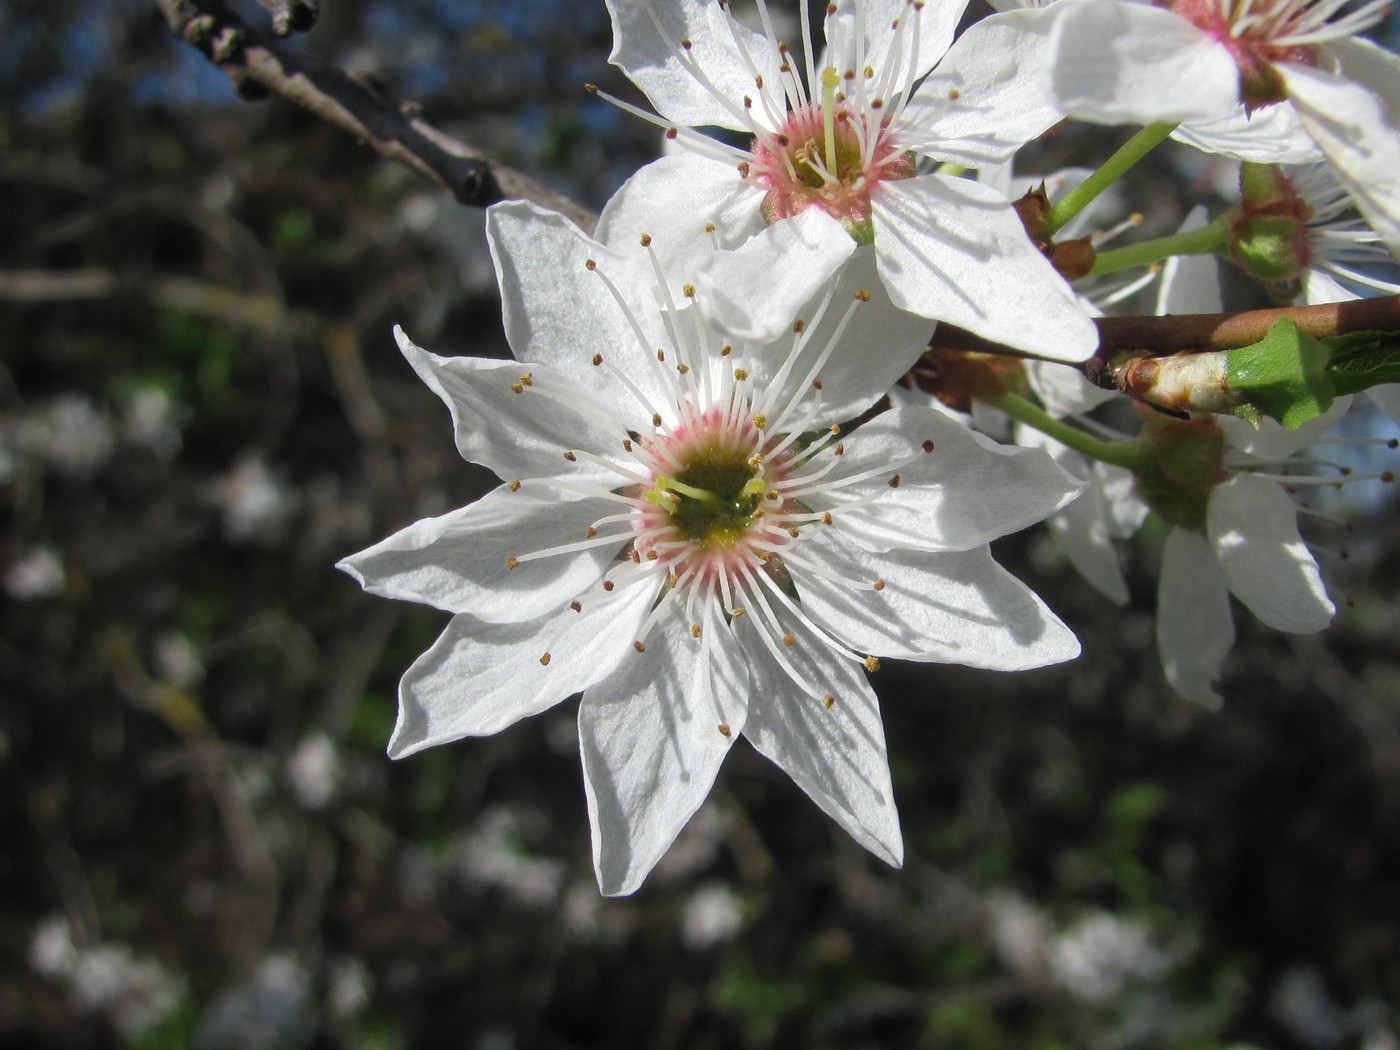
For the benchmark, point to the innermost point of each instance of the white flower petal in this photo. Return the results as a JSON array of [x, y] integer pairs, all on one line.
[[559, 315], [1194, 628], [967, 491], [1064, 391], [1190, 283], [1319, 287], [999, 104], [1272, 135], [651, 747], [457, 562], [1253, 528], [647, 37], [1131, 63], [936, 24], [674, 198], [1354, 116], [878, 346], [754, 292], [955, 251], [947, 607], [479, 678], [837, 754], [516, 435], [1387, 399]]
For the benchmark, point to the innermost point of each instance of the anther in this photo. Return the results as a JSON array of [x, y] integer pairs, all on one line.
[[695, 630], [817, 383], [512, 563], [927, 446], [879, 585], [748, 102], [709, 227], [652, 555], [954, 94], [872, 664], [828, 701], [570, 457], [835, 428], [798, 326], [724, 730], [589, 532], [826, 517], [627, 444], [760, 421], [741, 374], [794, 532], [646, 240], [597, 360], [514, 486], [863, 294], [639, 647], [788, 639], [839, 450], [590, 265], [685, 43], [660, 354], [576, 606], [656, 419], [671, 133], [519, 388], [726, 349], [592, 89], [758, 82], [894, 482], [608, 585], [737, 611], [544, 660], [682, 368], [688, 290], [744, 170], [636, 556]]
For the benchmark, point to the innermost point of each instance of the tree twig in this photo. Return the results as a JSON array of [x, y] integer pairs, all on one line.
[[258, 66]]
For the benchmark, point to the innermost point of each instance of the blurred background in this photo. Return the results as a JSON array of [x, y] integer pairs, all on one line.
[[202, 410]]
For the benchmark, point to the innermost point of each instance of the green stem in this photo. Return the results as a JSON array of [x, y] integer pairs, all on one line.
[[1128, 454], [1212, 238], [1079, 198]]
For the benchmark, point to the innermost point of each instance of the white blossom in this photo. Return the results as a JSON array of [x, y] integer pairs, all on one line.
[[685, 535], [837, 138]]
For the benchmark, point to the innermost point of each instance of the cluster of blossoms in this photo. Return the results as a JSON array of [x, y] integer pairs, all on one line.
[[733, 474]]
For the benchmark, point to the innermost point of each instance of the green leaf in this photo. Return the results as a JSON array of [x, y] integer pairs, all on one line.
[[1283, 376]]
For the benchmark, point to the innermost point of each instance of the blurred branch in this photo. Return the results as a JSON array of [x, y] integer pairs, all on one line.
[[258, 67]]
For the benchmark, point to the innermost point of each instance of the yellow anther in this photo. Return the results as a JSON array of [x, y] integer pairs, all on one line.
[[826, 517], [695, 630], [760, 421], [871, 664], [741, 374], [788, 639], [828, 701], [646, 240], [515, 486], [512, 563]]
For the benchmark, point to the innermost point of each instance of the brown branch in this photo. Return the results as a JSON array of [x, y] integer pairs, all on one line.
[[1154, 336], [258, 66]]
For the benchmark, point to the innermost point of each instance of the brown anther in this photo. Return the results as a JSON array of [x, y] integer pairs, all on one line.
[[514, 486], [879, 585], [799, 326], [850, 74], [927, 446], [758, 82], [869, 72], [636, 556], [828, 701], [589, 532], [544, 660], [872, 664], [597, 359], [894, 482], [817, 383], [793, 531], [788, 639], [840, 449], [590, 264], [512, 563], [639, 647], [576, 606], [748, 102], [570, 457], [646, 240], [877, 103], [608, 585], [672, 133], [954, 94], [592, 89], [660, 354], [724, 730], [652, 555], [685, 43], [682, 368], [744, 170], [627, 444], [656, 419], [826, 517]]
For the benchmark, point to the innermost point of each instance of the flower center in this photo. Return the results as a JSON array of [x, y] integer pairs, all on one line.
[[830, 156], [711, 500]]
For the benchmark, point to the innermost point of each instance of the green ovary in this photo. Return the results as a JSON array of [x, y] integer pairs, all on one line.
[[719, 492]]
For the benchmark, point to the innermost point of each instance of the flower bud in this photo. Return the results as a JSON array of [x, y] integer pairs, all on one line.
[[1269, 235]]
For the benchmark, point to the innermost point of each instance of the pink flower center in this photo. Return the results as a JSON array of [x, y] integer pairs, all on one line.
[[1259, 34], [829, 156]]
